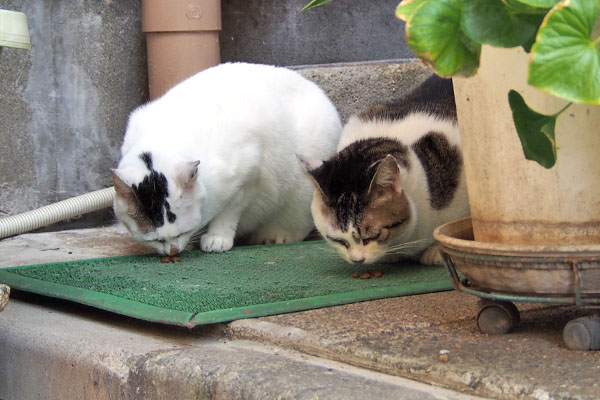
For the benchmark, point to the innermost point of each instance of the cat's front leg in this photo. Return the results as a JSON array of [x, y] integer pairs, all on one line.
[[221, 230], [216, 242], [220, 234]]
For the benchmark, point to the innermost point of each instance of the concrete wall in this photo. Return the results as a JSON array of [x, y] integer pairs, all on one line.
[[64, 104], [279, 32]]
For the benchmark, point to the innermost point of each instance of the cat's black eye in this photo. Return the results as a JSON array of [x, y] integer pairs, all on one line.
[[343, 242], [161, 241]]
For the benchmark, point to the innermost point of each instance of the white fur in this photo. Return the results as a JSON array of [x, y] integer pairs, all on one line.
[[244, 123], [424, 219]]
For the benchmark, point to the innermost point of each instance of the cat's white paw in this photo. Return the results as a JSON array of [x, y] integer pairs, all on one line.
[[215, 243], [432, 255]]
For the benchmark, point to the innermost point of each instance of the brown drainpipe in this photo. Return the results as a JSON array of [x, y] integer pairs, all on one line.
[[182, 38]]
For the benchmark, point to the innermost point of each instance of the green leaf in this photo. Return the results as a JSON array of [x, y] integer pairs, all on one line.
[[406, 9], [492, 22], [535, 130], [565, 59], [315, 3], [520, 6], [435, 36], [547, 4]]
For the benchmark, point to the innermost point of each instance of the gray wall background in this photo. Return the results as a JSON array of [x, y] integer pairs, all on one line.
[[64, 104], [279, 32]]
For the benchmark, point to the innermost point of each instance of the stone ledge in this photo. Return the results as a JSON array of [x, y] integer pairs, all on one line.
[[52, 354]]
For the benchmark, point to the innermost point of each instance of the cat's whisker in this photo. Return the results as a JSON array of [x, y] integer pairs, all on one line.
[[197, 234], [405, 248], [413, 244], [401, 251], [398, 252], [195, 238], [326, 248]]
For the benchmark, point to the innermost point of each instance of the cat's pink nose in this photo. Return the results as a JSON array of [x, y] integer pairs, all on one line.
[[173, 251]]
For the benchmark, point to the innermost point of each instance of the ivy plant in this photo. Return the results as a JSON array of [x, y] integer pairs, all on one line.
[[564, 57]]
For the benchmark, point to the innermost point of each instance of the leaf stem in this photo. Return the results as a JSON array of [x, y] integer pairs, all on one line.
[[563, 109]]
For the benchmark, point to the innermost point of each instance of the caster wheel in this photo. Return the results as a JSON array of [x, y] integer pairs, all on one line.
[[582, 333], [497, 316]]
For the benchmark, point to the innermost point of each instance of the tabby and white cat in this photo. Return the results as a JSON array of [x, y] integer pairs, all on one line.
[[397, 175], [218, 150]]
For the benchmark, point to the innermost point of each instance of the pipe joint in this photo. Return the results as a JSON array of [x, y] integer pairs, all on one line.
[[181, 15], [182, 38]]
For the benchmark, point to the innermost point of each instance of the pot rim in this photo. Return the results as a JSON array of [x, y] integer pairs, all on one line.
[[458, 235]]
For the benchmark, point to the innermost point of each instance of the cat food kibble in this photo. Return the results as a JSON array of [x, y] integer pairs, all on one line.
[[368, 274], [169, 259]]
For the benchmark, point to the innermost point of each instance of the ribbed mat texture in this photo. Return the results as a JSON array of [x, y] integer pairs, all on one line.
[[207, 288]]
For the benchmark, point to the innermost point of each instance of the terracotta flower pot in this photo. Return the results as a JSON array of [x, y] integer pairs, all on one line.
[[513, 200]]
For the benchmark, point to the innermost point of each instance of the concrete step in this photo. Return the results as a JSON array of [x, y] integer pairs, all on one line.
[[59, 351]]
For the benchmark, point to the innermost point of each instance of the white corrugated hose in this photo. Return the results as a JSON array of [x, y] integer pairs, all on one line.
[[50, 214]]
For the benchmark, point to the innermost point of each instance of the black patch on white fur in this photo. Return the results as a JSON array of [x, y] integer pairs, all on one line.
[[147, 159], [152, 193], [347, 210], [170, 216], [442, 163], [435, 97], [346, 177]]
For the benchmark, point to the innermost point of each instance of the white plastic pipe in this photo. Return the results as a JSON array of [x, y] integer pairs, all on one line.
[[50, 214]]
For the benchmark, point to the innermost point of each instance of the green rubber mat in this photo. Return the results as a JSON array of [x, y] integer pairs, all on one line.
[[207, 288]]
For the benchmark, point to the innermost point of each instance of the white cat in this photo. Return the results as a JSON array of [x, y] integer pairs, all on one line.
[[397, 176], [218, 150]]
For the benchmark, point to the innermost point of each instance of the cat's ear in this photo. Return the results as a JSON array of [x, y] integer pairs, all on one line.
[[187, 173], [387, 179], [309, 166], [122, 189]]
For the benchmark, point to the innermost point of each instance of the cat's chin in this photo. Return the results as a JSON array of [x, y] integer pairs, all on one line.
[[382, 259], [362, 261]]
